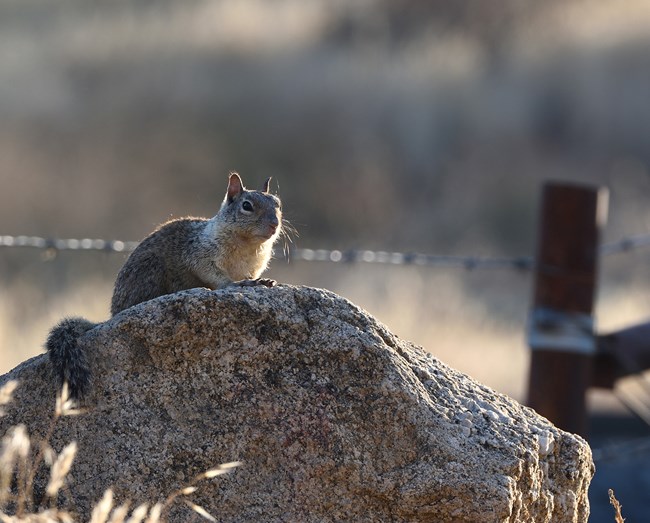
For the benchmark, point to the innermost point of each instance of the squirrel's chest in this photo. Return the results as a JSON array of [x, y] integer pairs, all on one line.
[[244, 263], [240, 269]]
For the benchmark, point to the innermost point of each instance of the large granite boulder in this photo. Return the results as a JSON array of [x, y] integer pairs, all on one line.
[[333, 417]]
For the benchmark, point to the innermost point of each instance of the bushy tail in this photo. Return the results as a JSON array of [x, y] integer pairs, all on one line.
[[68, 359]]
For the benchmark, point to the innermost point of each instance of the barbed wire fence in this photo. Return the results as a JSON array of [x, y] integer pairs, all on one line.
[[524, 264], [471, 262]]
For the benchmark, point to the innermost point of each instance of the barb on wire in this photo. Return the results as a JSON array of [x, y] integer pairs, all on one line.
[[520, 263], [627, 244]]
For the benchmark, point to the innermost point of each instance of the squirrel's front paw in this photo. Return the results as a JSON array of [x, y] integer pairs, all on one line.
[[267, 282], [259, 281]]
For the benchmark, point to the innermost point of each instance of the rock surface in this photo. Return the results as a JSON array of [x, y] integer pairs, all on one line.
[[334, 417]]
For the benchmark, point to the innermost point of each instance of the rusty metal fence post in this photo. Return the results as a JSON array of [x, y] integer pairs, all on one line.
[[560, 331]]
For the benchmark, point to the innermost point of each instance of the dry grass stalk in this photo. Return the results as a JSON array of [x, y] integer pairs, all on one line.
[[60, 469], [15, 445], [139, 514], [155, 513], [13, 459], [618, 517], [64, 405], [6, 394], [17, 469], [47, 516], [224, 468], [49, 455], [103, 508], [119, 514], [200, 511]]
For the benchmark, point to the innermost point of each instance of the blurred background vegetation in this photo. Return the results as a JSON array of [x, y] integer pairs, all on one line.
[[386, 124]]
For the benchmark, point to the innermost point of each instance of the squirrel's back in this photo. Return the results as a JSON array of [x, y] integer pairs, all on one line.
[[158, 265]]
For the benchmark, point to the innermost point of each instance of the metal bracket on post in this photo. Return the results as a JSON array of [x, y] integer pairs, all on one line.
[[553, 329]]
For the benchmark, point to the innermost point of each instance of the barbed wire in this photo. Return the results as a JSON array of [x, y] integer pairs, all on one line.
[[520, 263], [629, 243], [400, 258], [58, 244], [622, 450]]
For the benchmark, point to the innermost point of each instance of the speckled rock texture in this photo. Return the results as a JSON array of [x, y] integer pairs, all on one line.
[[334, 417]]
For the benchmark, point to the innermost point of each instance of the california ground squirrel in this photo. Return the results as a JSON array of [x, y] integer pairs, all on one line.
[[232, 248]]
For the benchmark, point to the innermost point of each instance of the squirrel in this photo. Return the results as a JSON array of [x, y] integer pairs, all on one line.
[[231, 249]]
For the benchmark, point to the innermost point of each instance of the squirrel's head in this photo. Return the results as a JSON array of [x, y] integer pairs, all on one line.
[[257, 214]]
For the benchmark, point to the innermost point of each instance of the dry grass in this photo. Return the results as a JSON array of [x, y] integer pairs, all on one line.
[[618, 517], [20, 460]]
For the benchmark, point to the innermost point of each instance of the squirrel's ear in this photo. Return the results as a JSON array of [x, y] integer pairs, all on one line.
[[267, 184], [235, 187]]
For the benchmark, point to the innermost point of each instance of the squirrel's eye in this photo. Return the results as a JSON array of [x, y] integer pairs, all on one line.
[[247, 206]]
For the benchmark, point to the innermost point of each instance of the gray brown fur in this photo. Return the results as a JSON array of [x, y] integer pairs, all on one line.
[[232, 248]]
